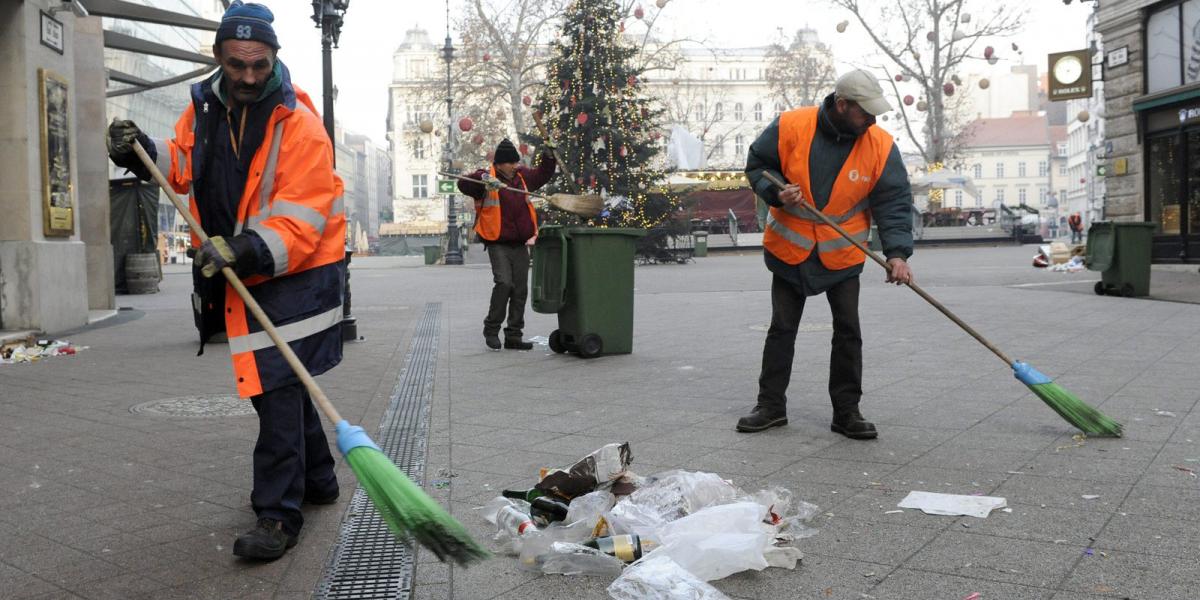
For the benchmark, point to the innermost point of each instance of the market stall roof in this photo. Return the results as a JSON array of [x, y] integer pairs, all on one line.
[[688, 181], [943, 180]]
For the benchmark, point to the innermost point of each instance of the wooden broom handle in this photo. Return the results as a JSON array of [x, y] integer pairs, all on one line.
[[314, 390], [507, 187], [883, 263]]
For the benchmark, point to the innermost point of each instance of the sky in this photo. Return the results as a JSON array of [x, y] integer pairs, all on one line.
[[373, 28]]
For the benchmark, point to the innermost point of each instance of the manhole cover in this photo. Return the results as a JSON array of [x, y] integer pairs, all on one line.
[[801, 329], [197, 406]]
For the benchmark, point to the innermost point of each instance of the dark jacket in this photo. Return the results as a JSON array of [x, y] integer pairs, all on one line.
[[890, 199], [515, 225]]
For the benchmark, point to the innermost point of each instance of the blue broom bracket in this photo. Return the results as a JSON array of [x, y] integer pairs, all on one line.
[[350, 437], [1029, 375]]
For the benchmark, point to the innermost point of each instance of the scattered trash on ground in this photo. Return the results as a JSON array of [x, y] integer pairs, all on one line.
[[441, 484], [32, 350], [972, 596], [659, 537], [1060, 257], [1079, 438], [540, 340], [1164, 413], [1185, 470], [1090, 496], [933, 503]]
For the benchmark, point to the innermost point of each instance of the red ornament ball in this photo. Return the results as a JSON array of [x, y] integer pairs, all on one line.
[[477, 139], [899, 77], [582, 119], [632, 81], [523, 149], [988, 52], [466, 123], [624, 152], [908, 100], [491, 156], [487, 56], [527, 101], [931, 36], [638, 12], [948, 89]]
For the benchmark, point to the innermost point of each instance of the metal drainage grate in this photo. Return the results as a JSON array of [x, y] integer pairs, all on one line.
[[368, 562]]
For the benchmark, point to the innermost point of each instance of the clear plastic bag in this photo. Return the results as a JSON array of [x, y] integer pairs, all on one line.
[[535, 546], [657, 577], [565, 558], [589, 507], [718, 541], [667, 497]]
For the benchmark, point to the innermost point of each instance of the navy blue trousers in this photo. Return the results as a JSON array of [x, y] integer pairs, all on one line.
[[291, 458]]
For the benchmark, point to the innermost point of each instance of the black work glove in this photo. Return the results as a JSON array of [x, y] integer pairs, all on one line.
[[219, 252], [121, 135]]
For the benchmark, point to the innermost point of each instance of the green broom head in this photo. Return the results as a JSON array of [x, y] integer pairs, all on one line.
[[406, 508], [1067, 405]]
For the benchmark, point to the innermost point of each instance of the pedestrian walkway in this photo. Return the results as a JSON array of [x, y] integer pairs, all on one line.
[[110, 493]]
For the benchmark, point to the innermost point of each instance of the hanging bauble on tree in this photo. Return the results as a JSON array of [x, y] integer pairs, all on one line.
[[899, 77], [930, 36], [477, 139], [632, 80], [466, 123], [655, 135], [984, 83], [1083, 116], [916, 55], [958, 36], [523, 149], [956, 80], [491, 156], [908, 100], [426, 126], [884, 118], [948, 88], [1015, 47], [582, 119], [841, 27], [966, 18], [624, 152], [993, 60], [988, 52], [487, 56], [922, 106], [661, 3], [527, 101], [638, 12], [621, 27]]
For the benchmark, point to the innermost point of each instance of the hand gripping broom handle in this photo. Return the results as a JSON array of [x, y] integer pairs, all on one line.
[[313, 389], [883, 263]]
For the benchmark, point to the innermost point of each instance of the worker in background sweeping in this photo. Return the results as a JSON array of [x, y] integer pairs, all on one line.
[[834, 157], [259, 165], [506, 222]]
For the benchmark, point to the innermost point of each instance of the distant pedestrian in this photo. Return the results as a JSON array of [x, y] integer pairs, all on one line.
[[835, 158], [507, 223], [1075, 222], [259, 166]]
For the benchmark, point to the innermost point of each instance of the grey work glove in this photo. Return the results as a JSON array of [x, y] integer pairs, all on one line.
[[214, 255], [491, 183]]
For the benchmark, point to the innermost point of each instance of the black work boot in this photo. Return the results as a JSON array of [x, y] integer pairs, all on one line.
[[517, 344], [267, 541], [321, 499], [492, 341], [761, 418], [851, 424]]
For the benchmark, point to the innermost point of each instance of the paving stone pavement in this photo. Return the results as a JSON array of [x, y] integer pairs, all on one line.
[[101, 502]]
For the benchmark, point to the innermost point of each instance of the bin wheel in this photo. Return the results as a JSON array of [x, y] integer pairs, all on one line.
[[1127, 290], [556, 343], [591, 346], [1099, 289]]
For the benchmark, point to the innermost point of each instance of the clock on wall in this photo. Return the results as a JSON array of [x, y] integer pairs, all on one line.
[[1070, 75]]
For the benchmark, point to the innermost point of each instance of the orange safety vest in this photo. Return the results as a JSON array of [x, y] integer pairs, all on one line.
[[791, 234], [293, 201], [487, 221]]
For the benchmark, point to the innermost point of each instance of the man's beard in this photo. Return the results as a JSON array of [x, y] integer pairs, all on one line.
[[843, 125]]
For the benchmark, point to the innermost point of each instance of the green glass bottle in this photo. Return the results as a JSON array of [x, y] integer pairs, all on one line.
[[526, 495], [626, 548]]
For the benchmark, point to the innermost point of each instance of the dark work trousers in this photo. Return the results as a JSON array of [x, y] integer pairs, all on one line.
[[845, 360], [291, 457], [510, 272]]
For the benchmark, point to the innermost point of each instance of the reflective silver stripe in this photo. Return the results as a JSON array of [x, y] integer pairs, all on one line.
[[279, 251], [795, 237], [290, 332], [162, 157], [489, 203], [267, 185], [841, 242], [284, 208], [339, 206]]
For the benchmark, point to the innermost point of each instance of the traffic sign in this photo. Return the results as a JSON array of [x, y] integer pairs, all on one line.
[[445, 186]]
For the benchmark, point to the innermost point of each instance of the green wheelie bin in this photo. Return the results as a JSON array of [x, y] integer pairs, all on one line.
[[585, 275], [1121, 252]]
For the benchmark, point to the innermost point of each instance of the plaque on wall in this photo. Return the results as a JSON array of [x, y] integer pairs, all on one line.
[[58, 201]]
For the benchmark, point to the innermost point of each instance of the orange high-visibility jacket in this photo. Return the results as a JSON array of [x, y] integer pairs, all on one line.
[[488, 217], [791, 234], [293, 201]]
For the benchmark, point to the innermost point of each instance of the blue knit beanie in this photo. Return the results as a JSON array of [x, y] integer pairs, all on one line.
[[251, 21]]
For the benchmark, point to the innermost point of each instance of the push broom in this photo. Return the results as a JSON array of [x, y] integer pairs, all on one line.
[[401, 503], [584, 205], [1067, 405]]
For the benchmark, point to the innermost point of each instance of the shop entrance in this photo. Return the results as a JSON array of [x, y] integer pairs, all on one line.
[[1173, 194]]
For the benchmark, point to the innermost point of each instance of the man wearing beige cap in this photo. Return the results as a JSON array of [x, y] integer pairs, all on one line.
[[835, 158]]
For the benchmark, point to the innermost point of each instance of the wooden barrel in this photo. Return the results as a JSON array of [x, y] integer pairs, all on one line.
[[142, 273]]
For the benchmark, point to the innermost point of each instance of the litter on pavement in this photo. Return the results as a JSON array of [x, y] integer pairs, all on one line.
[[932, 503], [659, 537], [31, 350]]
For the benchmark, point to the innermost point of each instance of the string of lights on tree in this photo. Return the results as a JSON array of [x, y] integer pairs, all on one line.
[[594, 110]]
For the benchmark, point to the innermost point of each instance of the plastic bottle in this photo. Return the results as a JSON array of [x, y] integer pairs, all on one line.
[[628, 547], [515, 522]]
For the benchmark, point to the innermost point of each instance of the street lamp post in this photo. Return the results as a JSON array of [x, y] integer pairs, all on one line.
[[453, 251], [329, 15]]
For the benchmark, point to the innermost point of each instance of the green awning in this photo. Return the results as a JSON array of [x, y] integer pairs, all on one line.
[[1156, 100]]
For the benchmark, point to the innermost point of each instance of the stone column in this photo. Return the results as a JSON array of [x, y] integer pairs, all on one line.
[[92, 162]]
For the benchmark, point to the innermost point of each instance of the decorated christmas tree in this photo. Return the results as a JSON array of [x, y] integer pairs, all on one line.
[[594, 109]]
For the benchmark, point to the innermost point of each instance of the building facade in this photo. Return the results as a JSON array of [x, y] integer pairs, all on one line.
[[1152, 125], [1012, 161], [1086, 147]]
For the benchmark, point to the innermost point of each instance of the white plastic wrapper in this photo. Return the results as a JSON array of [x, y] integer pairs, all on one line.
[[668, 497], [565, 558], [718, 541], [657, 577], [589, 507]]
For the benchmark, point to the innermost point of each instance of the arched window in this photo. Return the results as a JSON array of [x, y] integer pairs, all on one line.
[[739, 145], [719, 112], [758, 111], [737, 111]]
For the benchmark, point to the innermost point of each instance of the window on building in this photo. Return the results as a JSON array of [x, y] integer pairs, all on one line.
[[978, 171], [958, 198], [420, 186], [1021, 197], [1000, 195], [979, 200], [719, 112], [1021, 169], [698, 111], [739, 145], [779, 108], [758, 111], [737, 111], [1165, 48], [999, 170], [1041, 195], [718, 150], [1043, 169], [419, 148], [1062, 194], [1062, 170]]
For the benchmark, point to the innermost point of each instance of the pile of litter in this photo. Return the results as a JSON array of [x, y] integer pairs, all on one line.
[[661, 537], [29, 350], [1060, 257]]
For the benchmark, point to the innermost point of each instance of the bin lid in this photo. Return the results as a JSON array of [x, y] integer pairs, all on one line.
[[630, 231]]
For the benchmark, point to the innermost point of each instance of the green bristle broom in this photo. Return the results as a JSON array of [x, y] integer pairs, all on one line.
[[402, 504], [1067, 405]]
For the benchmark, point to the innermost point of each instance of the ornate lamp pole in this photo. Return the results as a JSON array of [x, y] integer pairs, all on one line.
[[328, 15], [453, 250]]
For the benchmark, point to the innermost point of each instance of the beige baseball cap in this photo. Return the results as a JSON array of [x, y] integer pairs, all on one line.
[[862, 87]]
